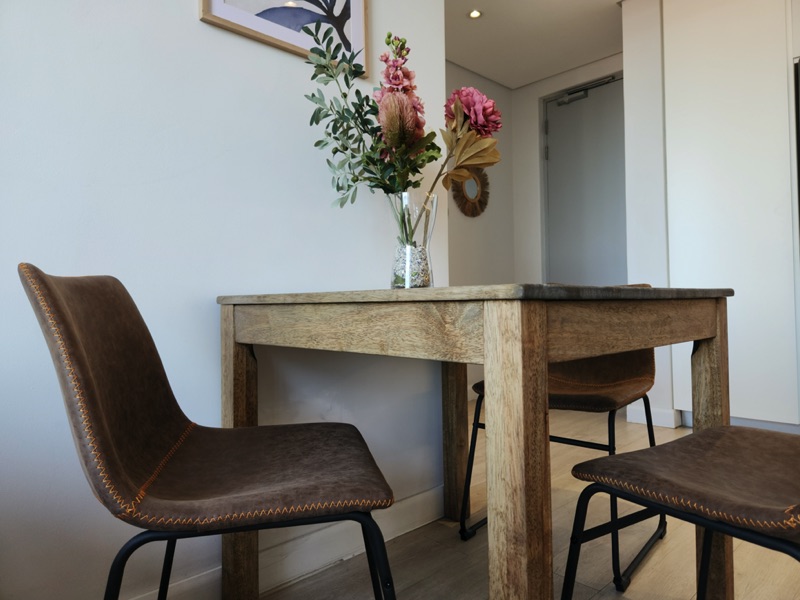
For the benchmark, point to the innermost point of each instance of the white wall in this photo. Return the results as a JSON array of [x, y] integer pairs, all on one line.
[[140, 142], [711, 198], [645, 178], [480, 248], [731, 208]]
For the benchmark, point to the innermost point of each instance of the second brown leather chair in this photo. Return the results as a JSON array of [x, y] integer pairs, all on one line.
[[733, 481]]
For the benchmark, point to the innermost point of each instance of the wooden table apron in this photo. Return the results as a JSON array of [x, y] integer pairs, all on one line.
[[514, 331]]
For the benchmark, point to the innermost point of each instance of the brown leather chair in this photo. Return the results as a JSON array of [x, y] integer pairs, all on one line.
[[603, 384], [733, 481], [152, 467]]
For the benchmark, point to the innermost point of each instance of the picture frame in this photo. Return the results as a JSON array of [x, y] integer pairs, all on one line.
[[278, 22]]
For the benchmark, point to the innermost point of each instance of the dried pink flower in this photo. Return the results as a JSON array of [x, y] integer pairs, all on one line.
[[396, 76], [398, 120], [484, 118], [400, 79], [400, 111]]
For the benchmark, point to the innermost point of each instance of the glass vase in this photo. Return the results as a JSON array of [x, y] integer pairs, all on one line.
[[415, 213]]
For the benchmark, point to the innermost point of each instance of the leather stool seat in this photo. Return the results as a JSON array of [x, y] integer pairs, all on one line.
[[732, 481], [737, 475]]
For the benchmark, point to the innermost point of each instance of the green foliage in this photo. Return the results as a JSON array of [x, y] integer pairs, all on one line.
[[351, 131]]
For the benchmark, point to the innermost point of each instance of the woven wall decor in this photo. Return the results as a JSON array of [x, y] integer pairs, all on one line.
[[472, 196]]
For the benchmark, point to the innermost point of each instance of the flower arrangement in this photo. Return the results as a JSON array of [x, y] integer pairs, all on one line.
[[380, 140]]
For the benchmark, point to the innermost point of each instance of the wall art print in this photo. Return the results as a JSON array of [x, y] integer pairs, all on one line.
[[279, 23]]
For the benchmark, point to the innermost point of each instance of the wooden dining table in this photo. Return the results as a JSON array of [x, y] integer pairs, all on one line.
[[514, 330]]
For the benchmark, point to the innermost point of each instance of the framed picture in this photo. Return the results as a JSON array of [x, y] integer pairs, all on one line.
[[278, 23]]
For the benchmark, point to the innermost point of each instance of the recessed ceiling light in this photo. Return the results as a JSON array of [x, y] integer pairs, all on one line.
[[475, 14]]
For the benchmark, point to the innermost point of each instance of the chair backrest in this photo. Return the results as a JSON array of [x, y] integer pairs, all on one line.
[[636, 365], [122, 411]]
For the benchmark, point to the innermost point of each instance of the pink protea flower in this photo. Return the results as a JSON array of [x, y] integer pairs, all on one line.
[[484, 118], [398, 120]]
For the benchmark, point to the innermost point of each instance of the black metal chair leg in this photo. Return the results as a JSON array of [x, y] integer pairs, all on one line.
[[374, 544], [382, 583], [575, 542], [464, 531], [619, 582], [614, 513], [612, 432], [114, 581], [166, 569], [705, 563], [581, 536], [622, 579], [661, 530], [648, 417], [373, 568]]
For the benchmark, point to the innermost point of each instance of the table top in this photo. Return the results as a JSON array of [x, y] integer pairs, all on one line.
[[511, 291]]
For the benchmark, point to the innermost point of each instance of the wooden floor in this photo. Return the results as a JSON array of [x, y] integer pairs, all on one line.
[[433, 563]]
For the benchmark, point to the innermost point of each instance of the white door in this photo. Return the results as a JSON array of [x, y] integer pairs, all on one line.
[[585, 187]]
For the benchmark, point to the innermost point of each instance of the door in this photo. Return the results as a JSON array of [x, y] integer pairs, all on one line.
[[585, 186]]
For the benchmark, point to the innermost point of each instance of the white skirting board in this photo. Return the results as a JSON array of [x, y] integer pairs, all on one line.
[[683, 418], [662, 417], [287, 555], [793, 428]]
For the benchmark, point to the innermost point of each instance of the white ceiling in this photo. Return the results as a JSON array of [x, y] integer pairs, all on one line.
[[517, 42]]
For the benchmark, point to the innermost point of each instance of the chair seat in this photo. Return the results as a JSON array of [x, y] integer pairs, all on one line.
[[221, 478], [567, 394], [564, 394], [753, 483]]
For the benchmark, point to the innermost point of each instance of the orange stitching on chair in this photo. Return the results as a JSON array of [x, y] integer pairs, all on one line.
[[786, 524], [76, 388], [85, 418], [267, 512], [130, 508], [143, 490]]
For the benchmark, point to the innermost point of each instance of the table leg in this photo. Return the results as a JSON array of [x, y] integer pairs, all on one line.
[[517, 451], [711, 408], [454, 436], [239, 409]]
